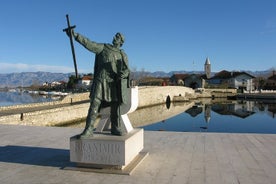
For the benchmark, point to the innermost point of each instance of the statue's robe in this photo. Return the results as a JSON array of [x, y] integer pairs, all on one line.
[[111, 71]]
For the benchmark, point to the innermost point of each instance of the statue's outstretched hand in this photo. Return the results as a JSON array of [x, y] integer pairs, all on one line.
[[70, 32]]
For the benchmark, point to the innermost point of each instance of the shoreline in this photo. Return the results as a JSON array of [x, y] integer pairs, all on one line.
[[73, 108]]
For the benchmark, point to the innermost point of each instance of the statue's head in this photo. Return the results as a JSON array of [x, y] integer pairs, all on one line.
[[118, 39]]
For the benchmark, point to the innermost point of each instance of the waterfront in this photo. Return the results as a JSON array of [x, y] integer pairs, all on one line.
[[227, 117], [196, 116], [220, 117], [16, 98]]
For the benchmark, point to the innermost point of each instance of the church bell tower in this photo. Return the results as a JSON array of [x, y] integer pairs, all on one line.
[[207, 68]]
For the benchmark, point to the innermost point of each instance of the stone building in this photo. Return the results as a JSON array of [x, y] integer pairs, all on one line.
[[195, 81], [178, 79], [271, 82], [237, 80]]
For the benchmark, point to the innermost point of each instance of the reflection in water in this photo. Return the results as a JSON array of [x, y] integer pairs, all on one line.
[[194, 111], [236, 116], [207, 116], [241, 109], [238, 110], [15, 98], [271, 109], [158, 113]]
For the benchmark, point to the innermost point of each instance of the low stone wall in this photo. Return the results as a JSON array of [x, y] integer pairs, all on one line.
[[215, 93], [221, 90], [148, 96], [50, 117], [153, 95], [77, 97], [30, 105]]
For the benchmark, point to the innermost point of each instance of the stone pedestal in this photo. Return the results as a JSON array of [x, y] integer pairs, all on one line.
[[105, 151]]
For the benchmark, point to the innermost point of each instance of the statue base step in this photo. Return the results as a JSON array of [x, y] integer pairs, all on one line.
[[105, 152], [128, 170]]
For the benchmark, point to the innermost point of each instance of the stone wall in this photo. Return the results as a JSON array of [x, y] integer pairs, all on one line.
[[148, 96], [77, 97], [50, 117], [221, 90], [215, 93], [153, 95]]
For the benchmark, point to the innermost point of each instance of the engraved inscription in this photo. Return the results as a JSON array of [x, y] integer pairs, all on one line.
[[103, 148], [103, 152]]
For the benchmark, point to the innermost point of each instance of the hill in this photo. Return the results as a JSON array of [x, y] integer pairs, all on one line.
[[29, 78]]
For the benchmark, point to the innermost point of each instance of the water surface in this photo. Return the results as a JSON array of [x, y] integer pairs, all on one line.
[[231, 117], [16, 98]]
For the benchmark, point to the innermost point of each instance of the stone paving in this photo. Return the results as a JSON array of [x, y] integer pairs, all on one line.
[[33, 155]]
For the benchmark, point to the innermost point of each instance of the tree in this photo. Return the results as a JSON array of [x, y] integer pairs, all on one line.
[[138, 76], [259, 82], [35, 84], [72, 82]]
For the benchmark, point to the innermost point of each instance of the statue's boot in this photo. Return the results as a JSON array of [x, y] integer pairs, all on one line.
[[116, 121], [117, 131], [90, 120]]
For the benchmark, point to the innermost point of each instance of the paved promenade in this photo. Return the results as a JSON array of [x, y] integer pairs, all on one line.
[[33, 155]]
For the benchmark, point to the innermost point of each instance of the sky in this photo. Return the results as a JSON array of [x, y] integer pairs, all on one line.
[[160, 35]]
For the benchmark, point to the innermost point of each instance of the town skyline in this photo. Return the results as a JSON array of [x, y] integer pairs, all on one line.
[[28, 78]]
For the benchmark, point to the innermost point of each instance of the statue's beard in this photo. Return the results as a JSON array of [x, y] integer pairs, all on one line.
[[116, 43]]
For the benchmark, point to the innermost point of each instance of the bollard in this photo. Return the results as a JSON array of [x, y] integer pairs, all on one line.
[[168, 102], [21, 117]]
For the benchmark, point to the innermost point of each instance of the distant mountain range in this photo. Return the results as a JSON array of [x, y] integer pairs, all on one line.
[[38, 78], [29, 78]]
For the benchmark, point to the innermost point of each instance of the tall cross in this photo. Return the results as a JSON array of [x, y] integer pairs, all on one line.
[[69, 30]]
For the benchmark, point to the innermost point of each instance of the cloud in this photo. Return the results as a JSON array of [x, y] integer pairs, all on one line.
[[21, 67]]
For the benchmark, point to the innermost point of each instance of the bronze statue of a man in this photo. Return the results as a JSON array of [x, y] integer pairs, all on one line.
[[111, 74]]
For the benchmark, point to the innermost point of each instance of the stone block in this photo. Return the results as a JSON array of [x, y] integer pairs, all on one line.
[[104, 150]]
